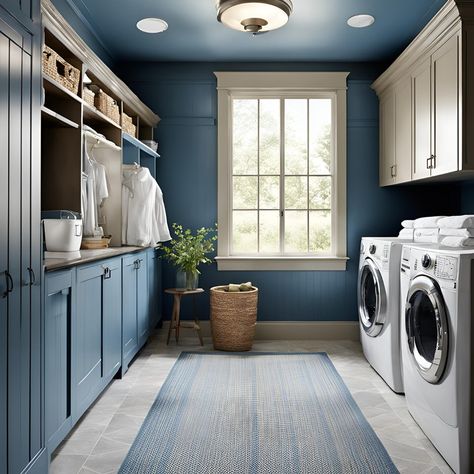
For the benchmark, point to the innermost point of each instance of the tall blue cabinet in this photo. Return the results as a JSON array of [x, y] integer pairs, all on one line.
[[21, 430]]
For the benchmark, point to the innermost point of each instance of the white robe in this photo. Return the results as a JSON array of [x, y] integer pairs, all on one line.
[[94, 191], [143, 210]]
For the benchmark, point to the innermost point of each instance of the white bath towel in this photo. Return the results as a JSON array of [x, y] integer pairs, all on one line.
[[429, 236], [457, 232], [457, 222], [406, 234], [408, 224], [428, 222], [452, 241]]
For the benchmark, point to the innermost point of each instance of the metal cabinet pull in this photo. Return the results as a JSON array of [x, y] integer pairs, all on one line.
[[32, 276], [9, 284], [107, 273], [393, 171], [433, 161], [428, 163]]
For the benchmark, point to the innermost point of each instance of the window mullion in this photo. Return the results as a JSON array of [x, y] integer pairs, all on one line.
[[258, 175], [307, 175], [282, 176]]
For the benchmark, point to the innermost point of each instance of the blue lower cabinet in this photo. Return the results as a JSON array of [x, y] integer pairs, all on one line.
[[135, 305], [97, 330], [112, 318], [154, 288], [57, 363], [87, 336], [129, 308]]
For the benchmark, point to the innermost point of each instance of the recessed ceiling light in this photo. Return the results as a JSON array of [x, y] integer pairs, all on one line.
[[360, 21], [152, 25]]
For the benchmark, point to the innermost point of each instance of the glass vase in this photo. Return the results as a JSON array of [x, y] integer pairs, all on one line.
[[187, 280]]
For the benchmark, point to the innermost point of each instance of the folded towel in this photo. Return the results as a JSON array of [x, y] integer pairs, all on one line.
[[406, 234], [236, 287], [453, 241], [431, 222], [408, 224], [457, 232], [429, 236], [457, 222]]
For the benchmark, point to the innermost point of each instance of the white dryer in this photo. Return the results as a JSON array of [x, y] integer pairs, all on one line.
[[436, 341], [379, 306]]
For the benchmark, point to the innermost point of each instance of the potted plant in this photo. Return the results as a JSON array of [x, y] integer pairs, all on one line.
[[188, 250]]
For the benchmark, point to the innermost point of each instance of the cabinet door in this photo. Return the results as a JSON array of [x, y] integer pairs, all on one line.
[[112, 317], [403, 131], [421, 81], [87, 335], [129, 308], [4, 195], [154, 288], [445, 72], [143, 321], [19, 258], [387, 138], [57, 371]]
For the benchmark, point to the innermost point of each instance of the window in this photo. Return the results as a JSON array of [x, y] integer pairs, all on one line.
[[282, 171]]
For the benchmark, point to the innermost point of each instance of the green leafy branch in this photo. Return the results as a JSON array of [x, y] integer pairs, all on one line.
[[187, 250]]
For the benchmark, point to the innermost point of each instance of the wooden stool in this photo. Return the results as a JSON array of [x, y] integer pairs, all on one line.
[[175, 322]]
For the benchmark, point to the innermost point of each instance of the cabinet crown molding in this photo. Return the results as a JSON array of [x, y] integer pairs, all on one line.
[[449, 19], [58, 25]]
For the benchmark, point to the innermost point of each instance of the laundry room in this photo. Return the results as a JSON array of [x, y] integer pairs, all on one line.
[[237, 236]]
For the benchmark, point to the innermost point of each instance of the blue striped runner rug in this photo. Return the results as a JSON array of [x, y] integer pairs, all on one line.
[[267, 413]]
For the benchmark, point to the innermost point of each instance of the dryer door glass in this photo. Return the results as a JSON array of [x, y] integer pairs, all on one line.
[[427, 330], [371, 298]]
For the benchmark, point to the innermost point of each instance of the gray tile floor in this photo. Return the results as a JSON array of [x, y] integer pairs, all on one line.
[[101, 440]]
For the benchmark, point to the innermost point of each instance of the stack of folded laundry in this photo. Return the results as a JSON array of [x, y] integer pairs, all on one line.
[[427, 229], [407, 230], [457, 231]]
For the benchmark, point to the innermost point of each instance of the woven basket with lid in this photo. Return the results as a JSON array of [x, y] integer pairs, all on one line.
[[233, 318]]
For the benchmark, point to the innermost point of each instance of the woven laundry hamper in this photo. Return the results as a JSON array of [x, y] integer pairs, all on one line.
[[233, 318]]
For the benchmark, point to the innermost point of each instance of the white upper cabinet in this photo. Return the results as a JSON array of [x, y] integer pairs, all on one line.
[[445, 74], [425, 103], [396, 134], [421, 81]]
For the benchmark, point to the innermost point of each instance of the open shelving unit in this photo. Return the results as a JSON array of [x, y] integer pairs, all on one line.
[[65, 114]]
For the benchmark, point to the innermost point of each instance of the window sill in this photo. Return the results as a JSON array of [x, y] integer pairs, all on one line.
[[281, 263]]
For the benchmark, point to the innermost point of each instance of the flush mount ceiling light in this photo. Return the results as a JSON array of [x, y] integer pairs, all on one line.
[[152, 25], [360, 21], [255, 16]]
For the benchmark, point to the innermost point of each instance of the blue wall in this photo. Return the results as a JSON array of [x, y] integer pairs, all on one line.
[[184, 96], [84, 29]]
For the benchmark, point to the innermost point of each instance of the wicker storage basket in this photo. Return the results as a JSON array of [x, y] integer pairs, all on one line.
[[60, 70], [128, 125], [233, 318], [89, 96], [108, 106]]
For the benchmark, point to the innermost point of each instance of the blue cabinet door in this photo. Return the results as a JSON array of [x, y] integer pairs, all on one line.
[[112, 317], [142, 299], [129, 308], [57, 364], [154, 288], [87, 336]]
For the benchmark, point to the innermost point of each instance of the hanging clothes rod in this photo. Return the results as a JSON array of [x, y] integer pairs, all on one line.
[[92, 137]]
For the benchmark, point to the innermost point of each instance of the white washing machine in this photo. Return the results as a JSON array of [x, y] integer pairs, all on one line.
[[379, 306], [436, 342]]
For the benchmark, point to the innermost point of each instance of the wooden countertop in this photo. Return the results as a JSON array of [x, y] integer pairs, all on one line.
[[88, 256]]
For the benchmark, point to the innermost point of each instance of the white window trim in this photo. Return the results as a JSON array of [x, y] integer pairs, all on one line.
[[233, 84]]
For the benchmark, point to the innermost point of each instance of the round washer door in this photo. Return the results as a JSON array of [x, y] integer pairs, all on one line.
[[427, 328], [372, 298]]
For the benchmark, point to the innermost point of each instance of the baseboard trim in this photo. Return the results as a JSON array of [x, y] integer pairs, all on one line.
[[293, 330]]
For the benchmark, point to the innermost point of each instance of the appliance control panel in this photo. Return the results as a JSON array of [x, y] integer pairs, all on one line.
[[445, 267]]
